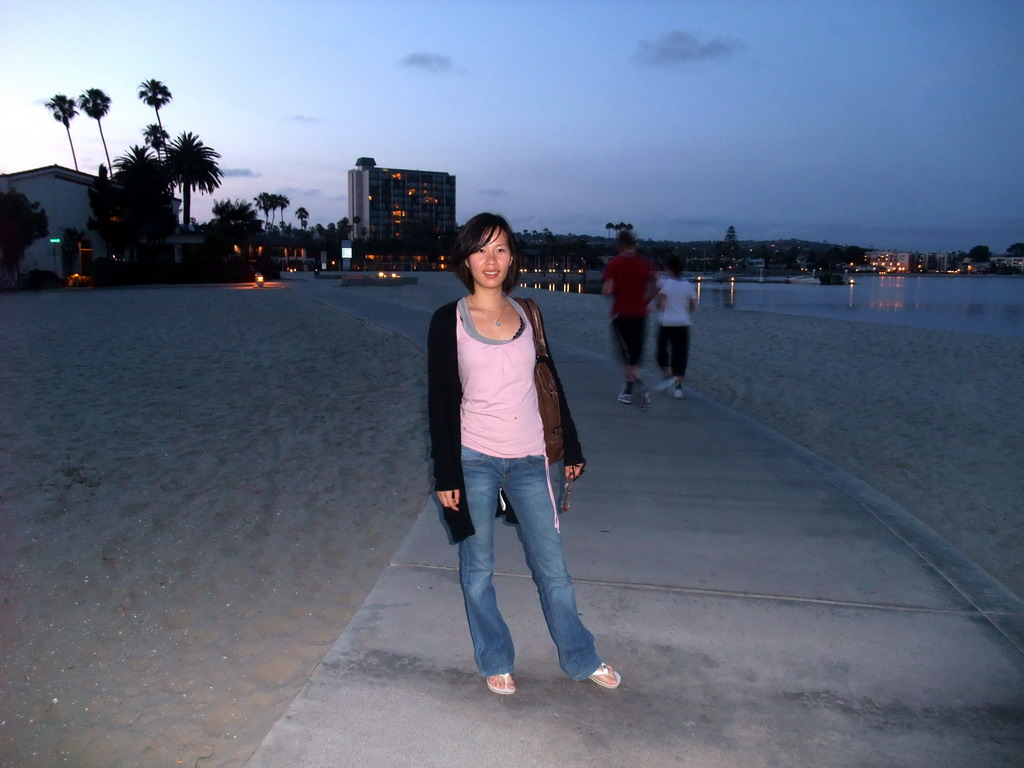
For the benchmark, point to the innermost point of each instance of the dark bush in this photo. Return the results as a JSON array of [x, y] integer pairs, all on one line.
[[110, 273], [39, 280], [268, 268]]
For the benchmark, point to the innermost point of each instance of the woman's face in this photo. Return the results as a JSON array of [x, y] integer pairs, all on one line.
[[490, 263]]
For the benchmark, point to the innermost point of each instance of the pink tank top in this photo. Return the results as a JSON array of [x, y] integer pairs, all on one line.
[[499, 402]]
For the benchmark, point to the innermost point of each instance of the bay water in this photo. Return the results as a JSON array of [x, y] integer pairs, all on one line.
[[989, 305]]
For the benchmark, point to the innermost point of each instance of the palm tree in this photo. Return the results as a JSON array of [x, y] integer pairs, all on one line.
[[156, 137], [236, 219], [155, 94], [63, 110], [265, 202], [302, 215], [146, 197], [137, 164], [280, 203], [609, 227], [96, 104], [193, 165]]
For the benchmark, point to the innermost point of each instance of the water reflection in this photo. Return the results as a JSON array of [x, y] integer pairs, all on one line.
[[988, 305], [554, 286]]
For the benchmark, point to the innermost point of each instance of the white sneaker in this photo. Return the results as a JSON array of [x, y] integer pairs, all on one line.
[[626, 398], [678, 394], [664, 385]]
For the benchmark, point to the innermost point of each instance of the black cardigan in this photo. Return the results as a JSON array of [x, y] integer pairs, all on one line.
[[444, 409]]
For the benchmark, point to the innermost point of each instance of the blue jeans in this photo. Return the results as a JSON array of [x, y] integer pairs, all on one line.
[[525, 483]]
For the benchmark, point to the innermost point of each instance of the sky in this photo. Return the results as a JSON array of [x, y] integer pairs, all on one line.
[[892, 124]]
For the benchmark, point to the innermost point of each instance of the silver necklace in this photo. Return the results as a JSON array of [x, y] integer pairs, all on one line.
[[497, 323]]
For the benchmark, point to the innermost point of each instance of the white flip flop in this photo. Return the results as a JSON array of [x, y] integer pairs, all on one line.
[[507, 680], [604, 669]]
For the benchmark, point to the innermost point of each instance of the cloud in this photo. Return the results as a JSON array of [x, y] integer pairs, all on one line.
[[240, 172], [431, 62], [301, 119], [492, 192], [295, 192], [680, 47]]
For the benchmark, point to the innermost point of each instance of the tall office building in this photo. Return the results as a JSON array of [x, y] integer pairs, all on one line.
[[384, 199]]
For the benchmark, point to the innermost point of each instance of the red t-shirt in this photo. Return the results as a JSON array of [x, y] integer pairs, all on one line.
[[631, 274]]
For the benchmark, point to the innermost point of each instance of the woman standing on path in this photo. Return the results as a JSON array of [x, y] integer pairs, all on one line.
[[487, 437], [677, 303]]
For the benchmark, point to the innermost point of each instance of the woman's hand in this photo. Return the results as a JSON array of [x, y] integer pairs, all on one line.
[[573, 471], [449, 499]]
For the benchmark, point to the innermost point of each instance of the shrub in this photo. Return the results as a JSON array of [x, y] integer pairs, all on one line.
[[79, 281], [39, 280]]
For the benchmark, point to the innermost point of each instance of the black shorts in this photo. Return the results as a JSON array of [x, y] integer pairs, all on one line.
[[628, 333]]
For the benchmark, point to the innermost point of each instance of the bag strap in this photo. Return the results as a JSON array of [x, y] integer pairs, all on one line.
[[538, 327]]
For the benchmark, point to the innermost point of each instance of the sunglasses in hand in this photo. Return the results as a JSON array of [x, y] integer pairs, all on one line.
[[566, 495]]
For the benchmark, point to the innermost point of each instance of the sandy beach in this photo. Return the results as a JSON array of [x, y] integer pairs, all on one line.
[[199, 485]]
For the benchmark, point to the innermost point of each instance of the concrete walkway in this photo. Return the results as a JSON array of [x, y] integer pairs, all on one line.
[[764, 608]]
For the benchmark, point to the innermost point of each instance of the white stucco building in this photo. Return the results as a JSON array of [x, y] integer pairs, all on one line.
[[64, 195]]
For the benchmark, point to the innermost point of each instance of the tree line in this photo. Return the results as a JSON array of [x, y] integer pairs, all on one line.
[[132, 196]]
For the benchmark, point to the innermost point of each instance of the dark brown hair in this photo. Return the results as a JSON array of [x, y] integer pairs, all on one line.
[[474, 235]]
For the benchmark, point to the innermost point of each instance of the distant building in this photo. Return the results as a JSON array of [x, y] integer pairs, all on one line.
[[382, 200], [889, 261], [1016, 262], [937, 262], [64, 195]]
